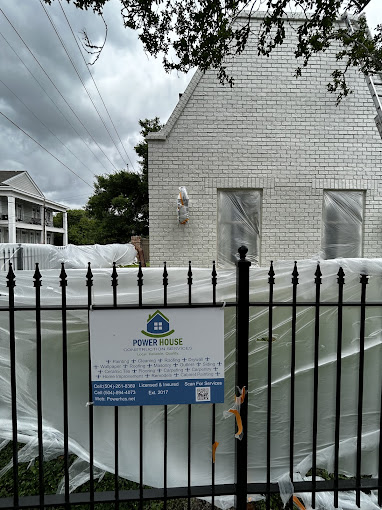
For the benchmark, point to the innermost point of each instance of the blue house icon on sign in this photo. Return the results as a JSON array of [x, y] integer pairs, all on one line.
[[158, 325]]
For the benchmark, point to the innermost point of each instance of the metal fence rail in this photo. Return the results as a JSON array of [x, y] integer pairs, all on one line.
[[242, 487]]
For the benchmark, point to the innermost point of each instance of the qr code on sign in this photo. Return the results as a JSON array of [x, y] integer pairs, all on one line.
[[203, 394]]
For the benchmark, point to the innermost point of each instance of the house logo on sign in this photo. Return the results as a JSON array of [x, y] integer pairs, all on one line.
[[158, 326]]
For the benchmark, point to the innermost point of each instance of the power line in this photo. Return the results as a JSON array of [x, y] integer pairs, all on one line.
[[45, 126], [79, 77], [46, 150], [56, 106], [95, 84], [54, 85]]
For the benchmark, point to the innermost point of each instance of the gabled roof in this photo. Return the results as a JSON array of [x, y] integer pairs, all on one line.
[[155, 314], [165, 131], [7, 174], [22, 183]]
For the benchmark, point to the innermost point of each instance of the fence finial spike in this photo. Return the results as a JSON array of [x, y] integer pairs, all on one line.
[[214, 273], [114, 276], [140, 275], [271, 274], [11, 277], [165, 275], [318, 275], [341, 276], [295, 274], [63, 276], [37, 276], [89, 276]]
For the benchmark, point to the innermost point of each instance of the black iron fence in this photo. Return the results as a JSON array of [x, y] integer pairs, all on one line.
[[241, 486]]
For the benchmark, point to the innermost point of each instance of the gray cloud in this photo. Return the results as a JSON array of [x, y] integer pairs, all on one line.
[[132, 85]]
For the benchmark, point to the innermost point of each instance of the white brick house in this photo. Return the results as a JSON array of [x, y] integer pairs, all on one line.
[[289, 150], [26, 216]]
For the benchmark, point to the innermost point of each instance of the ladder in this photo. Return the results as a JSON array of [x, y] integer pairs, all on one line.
[[374, 83]]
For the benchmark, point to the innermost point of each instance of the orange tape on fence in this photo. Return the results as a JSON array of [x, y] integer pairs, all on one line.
[[214, 446], [298, 503], [238, 422]]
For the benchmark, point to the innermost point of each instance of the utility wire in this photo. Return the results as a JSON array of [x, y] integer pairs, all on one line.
[[79, 77], [46, 150], [54, 85], [57, 107], [46, 127], [95, 84]]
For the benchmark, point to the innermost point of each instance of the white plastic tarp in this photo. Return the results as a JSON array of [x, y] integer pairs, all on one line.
[[153, 423], [238, 224], [74, 257], [342, 224]]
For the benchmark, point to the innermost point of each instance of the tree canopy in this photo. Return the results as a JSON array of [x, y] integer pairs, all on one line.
[[119, 207], [81, 228], [120, 203], [203, 33]]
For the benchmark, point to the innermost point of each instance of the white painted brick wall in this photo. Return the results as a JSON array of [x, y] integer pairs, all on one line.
[[273, 132]]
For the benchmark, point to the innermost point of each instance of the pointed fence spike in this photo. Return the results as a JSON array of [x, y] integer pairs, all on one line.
[[214, 273], [140, 275], [295, 274], [11, 277], [271, 274], [341, 276], [37, 277], [114, 276], [89, 276], [189, 274], [165, 274], [63, 276], [318, 275]]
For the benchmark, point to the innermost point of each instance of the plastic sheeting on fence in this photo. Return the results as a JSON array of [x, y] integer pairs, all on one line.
[[201, 416], [25, 256]]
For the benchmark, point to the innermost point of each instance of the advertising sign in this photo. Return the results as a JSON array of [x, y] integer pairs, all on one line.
[[157, 356]]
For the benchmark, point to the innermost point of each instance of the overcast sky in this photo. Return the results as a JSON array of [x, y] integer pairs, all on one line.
[[41, 93]]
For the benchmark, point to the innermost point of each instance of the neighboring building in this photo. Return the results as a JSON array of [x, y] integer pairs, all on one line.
[[271, 162], [26, 216]]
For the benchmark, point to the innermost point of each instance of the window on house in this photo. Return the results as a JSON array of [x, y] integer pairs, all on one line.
[[342, 224], [158, 326], [19, 212], [238, 223]]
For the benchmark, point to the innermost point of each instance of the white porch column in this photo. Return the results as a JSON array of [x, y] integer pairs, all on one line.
[[65, 227], [11, 220]]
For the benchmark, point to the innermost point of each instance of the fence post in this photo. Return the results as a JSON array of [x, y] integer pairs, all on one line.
[[242, 336]]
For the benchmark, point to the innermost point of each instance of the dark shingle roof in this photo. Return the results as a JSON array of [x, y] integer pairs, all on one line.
[[7, 174]]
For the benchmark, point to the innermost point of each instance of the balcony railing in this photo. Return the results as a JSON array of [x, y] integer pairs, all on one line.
[[30, 220]]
